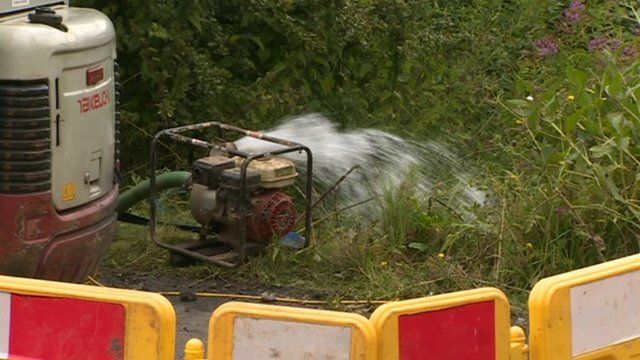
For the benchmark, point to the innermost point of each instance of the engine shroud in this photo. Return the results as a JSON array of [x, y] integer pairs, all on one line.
[[273, 214], [217, 196]]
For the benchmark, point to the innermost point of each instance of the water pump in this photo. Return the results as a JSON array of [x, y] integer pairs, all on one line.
[[58, 139], [238, 198]]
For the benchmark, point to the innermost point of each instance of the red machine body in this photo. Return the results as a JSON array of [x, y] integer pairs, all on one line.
[[38, 241]]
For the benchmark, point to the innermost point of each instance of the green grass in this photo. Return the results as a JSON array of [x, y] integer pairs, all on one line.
[[410, 250], [562, 169], [549, 211]]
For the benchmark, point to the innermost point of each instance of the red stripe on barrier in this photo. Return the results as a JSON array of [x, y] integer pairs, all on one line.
[[57, 329], [464, 332]]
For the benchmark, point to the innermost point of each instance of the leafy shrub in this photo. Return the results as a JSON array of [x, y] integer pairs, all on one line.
[[408, 66], [560, 159], [583, 135]]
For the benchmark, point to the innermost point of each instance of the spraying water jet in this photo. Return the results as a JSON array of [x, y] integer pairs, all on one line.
[[385, 161]]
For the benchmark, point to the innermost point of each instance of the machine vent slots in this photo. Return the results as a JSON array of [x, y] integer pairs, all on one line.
[[25, 137]]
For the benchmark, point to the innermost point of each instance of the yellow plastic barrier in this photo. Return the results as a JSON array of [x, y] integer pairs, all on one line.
[[194, 350], [519, 349], [588, 314], [55, 321], [239, 331], [463, 325]]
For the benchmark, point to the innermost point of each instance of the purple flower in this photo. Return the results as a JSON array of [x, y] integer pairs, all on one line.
[[614, 44], [573, 13], [597, 44], [603, 43], [630, 52], [546, 46]]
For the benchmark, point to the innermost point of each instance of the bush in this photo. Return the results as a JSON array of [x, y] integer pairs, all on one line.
[[581, 136], [560, 160], [406, 66]]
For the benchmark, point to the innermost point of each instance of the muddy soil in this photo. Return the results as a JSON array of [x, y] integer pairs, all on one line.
[[192, 312]]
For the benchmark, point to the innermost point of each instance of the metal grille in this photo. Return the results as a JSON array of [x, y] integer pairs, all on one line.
[[25, 137]]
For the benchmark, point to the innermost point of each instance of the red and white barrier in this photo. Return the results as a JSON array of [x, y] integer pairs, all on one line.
[[461, 332], [464, 325], [5, 324], [34, 327], [256, 331], [281, 339], [587, 314], [605, 312]]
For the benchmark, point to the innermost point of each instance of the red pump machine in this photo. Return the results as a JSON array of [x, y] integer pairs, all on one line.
[[58, 131]]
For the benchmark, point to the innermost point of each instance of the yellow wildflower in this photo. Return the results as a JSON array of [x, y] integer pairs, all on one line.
[[441, 255]]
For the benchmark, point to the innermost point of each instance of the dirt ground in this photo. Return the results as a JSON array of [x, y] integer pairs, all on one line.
[[192, 312]]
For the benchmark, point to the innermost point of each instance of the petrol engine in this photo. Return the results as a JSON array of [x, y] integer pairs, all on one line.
[[217, 196]]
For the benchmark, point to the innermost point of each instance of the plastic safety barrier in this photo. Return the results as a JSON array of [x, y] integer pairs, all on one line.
[[242, 331], [588, 314], [59, 321], [463, 325]]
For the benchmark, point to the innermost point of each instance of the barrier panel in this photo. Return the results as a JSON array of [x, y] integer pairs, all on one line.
[[588, 314], [59, 321], [242, 331], [458, 326]]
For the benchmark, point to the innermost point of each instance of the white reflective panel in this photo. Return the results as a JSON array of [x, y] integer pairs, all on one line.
[[266, 339], [5, 323], [605, 312]]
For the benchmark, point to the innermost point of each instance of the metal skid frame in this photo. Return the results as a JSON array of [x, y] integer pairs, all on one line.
[[176, 134]]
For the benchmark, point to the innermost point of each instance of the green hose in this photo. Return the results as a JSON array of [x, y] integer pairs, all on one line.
[[140, 192]]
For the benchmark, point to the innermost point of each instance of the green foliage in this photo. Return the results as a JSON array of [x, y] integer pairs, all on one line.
[[581, 136], [559, 159], [571, 129], [407, 66]]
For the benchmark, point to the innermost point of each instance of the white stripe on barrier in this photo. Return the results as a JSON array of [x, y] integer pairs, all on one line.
[[5, 323], [258, 339], [605, 312]]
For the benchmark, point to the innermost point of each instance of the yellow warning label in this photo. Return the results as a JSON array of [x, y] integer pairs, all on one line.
[[69, 192]]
